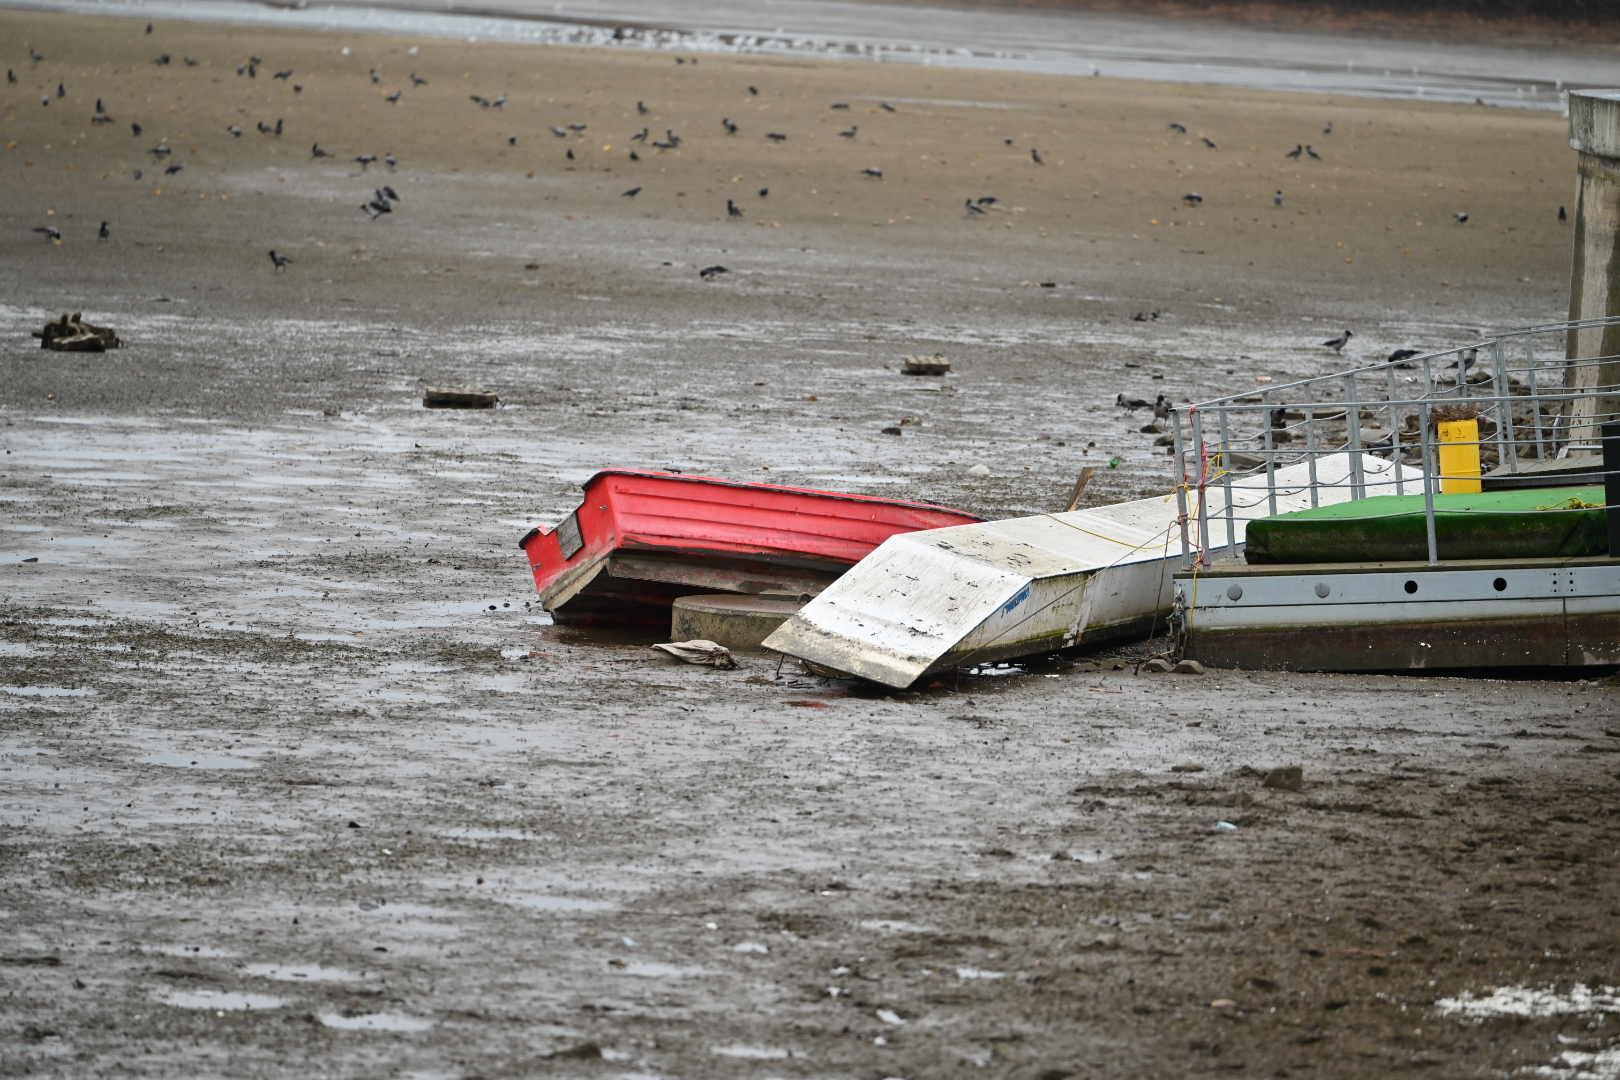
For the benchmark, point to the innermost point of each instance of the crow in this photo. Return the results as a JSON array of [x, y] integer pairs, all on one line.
[[1036, 156], [375, 209], [1295, 152], [776, 136], [172, 169], [365, 160], [50, 232], [280, 261], [1179, 129], [278, 126], [1563, 215], [393, 99], [375, 78], [1277, 199], [1462, 218], [1400, 356], [61, 90], [1162, 407], [1209, 142], [632, 193], [764, 191], [33, 54], [674, 139], [1192, 198], [641, 107], [640, 136], [1311, 152], [840, 105], [874, 173], [148, 28], [1338, 343], [754, 90], [731, 129], [500, 103], [1130, 405], [386, 192], [189, 62], [511, 140], [236, 132], [11, 76], [103, 232], [634, 156], [162, 60], [972, 209], [570, 154], [417, 80], [100, 118], [390, 160], [137, 174], [709, 273], [283, 75], [988, 200], [886, 107], [1466, 360], [733, 210], [264, 128], [160, 151], [850, 134], [1329, 129], [316, 151], [483, 102], [100, 108]]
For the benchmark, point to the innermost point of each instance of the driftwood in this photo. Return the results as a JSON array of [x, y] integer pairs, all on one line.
[[71, 333]]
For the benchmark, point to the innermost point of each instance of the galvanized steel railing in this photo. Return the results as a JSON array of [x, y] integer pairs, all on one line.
[[1536, 399]]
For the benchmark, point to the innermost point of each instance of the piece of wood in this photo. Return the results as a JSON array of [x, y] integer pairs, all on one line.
[[458, 397], [1080, 488], [926, 365]]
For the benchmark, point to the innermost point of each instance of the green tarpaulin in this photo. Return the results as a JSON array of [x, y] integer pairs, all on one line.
[[1391, 528]]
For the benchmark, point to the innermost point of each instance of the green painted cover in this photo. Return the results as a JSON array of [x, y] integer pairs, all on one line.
[[1390, 528]]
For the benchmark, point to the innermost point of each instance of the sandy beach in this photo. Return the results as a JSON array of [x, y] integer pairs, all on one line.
[[298, 780]]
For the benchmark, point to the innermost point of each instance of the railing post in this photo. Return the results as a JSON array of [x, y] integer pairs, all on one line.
[[1203, 488], [1535, 395], [1428, 487], [1179, 453], [1352, 422], [1226, 485]]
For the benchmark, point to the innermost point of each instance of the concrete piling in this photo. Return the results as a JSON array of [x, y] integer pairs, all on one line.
[[1594, 132]]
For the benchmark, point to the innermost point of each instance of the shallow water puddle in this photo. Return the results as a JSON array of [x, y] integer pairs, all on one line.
[[375, 1022], [557, 903], [198, 761], [307, 972], [753, 1053], [189, 950], [652, 969], [1528, 1001], [46, 691], [220, 999]]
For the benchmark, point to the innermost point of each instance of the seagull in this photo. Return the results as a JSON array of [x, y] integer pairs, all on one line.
[[283, 75], [1311, 152], [972, 209], [1295, 152], [641, 107], [709, 273], [764, 191], [103, 232], [1338, 343], [236, 132], [135, 129], [1400, 356], [172, 169], [1162, 407], [1462, 218], [874, 173], [365, 160], [632, 193], [1179, 129], [640, 136], [1209, 142], [731, 129], [1132, 404], [1277, 199], [1563, 215], [280, 261], [1036, 156], [1192, 198], [54, 235], [393, 99], [776, 136], [316, 151], [732, 209], [417, 80], [850, 134], [1329, 129], [390, 160]]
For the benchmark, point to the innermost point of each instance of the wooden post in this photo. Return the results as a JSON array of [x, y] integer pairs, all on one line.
[[1080, 487]]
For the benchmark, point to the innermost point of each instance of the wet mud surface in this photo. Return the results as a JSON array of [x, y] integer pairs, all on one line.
[[294, 779]]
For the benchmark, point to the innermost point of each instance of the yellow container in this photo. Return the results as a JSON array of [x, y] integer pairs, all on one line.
[[1459, 457]]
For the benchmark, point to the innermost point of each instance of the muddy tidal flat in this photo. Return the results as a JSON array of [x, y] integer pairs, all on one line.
[[296, 778]]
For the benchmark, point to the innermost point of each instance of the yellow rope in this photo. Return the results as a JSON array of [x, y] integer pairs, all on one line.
[[1574, 502]]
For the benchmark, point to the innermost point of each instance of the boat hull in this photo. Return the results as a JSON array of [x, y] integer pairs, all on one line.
[[639, 540]]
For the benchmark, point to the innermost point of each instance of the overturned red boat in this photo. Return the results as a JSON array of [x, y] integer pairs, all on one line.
[[641, 539]]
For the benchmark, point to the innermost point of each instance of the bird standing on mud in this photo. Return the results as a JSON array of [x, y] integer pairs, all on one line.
[[1035, 155], [1337, 344], [1130, 405], [733, 210], [280, 261]]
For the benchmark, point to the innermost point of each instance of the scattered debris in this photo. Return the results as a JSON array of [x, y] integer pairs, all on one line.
[[71, 333], [699, 651], [458, 397], [926, 365]]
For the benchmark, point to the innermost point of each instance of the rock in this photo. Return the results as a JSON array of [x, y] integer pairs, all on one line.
[[1186, 767], [458, 397], [978, 470], [1286, 778], [1189, 667], [894, 429], [1156, 666], [1152, 429], [1165, 440]]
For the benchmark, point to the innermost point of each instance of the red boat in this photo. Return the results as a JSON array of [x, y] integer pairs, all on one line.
[[642, 539]]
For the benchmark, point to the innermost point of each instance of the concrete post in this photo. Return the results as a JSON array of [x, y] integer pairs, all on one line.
[[1594, 291]]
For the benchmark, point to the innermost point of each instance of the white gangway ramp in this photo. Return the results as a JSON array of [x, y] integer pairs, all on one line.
[[933, 600]]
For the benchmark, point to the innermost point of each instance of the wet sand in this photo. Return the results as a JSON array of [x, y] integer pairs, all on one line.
[[256, 551]]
